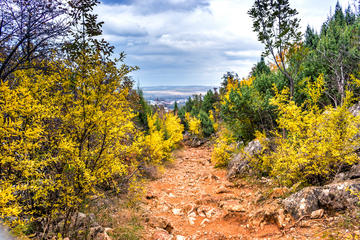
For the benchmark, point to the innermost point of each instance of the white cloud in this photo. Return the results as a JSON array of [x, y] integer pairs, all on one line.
[[187, 41]]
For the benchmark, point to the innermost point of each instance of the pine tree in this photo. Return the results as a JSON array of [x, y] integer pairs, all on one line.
[[176, 108], [260, 68], [350, 16], [311, 38]]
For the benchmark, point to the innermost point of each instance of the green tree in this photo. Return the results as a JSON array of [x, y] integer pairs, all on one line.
[[350, 16], [189, 105], [339, 51], [208, 101], [260, 68], [144, 110], [278, 28], [311, 38], [176, 108], [206, 124], [85, 31], [225, 78]]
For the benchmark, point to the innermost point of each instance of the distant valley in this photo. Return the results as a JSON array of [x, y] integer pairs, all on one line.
[[167, 95]]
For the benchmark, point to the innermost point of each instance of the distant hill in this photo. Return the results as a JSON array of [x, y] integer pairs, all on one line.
[[173, 92]]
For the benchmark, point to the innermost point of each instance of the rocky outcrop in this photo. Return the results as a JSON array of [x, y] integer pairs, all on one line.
[[4, 233], [335, 196], [82, 226], [353, 173], [239, 164], [253, 148], [193, 141], [355, 109]]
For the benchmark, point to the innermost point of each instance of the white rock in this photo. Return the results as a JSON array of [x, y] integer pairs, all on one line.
[[204, 222], [165, 208], [192, 214], [192, 220], [177, 211], [179, 237], [211, 212], [281, 218]]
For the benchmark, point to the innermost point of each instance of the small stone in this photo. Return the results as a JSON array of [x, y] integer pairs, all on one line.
[[165, 208], [192, 214], [179, 237], [214, 177], [211, 213], [202, 214], [177, 211], [161, 235], [108, 230], [158, 222], [222, 189], [317, 214], [203, 222], [281, 219], [262, 225], [305, 224], [203, 211], [95, 231], [150, 196], [233, 207], [102, 236], [192, 220]]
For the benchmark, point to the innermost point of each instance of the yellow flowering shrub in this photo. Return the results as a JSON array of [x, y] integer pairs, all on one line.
[[224, 147], [63, 134], [173, 129], [164, 134], [194, 124], [215, 124], [312, 144]]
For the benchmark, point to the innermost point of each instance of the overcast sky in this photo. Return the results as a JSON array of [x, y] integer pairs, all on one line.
[[192, 42]]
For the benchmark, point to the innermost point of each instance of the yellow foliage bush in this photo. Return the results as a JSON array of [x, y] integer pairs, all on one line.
[[173, 129], [63, 134], [194, 124], [312, 144], [164, 134], [224, 147], [213, 120]]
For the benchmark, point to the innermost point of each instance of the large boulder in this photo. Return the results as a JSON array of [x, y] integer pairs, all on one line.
[[335, 196], [239, 164]]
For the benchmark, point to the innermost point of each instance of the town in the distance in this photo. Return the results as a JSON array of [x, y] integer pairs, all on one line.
[[166, 96]]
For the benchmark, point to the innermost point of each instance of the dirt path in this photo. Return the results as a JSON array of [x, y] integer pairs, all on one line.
[[193, 200]]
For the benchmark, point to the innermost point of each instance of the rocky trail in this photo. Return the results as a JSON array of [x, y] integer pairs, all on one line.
[[194, 200]]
